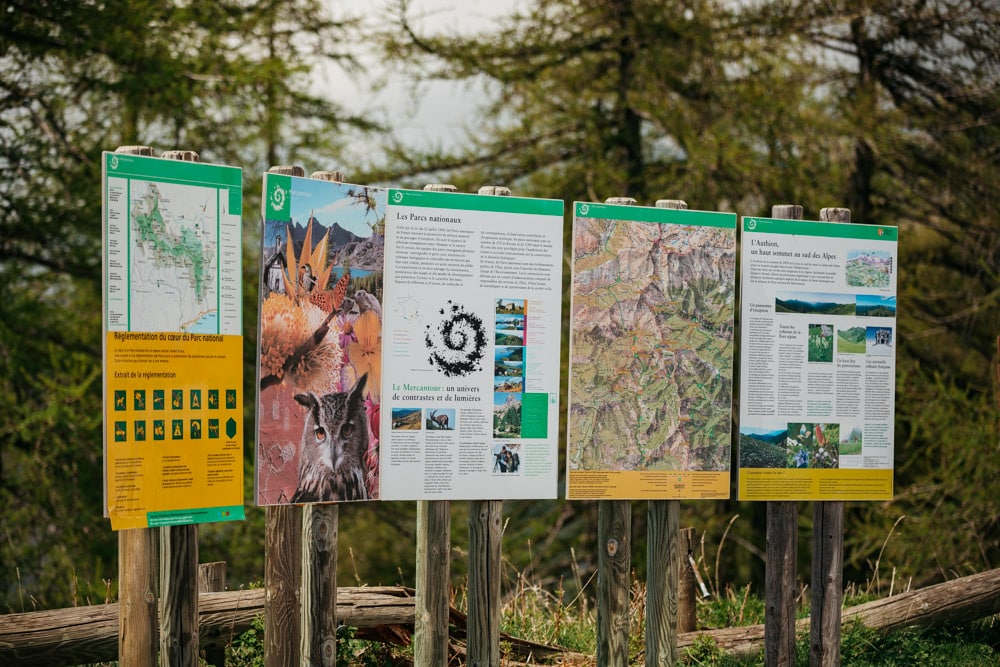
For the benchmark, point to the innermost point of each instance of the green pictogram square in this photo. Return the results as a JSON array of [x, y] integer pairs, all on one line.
[[159, 400], [120, 397], [213, 399], [159, 429]]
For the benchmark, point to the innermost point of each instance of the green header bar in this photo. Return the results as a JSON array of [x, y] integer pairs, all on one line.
[[662, 216], [466, 202], [195, 515], [161, 170], [812, 228]]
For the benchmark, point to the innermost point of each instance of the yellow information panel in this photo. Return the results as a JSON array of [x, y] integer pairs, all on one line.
[[814, 484], [174, 420], [647, 485]]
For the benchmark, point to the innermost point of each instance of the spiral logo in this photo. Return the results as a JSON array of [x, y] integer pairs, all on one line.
[[114, 161], [457, 342], [583, 209], [278, 198], [751, 224], [397, 197]]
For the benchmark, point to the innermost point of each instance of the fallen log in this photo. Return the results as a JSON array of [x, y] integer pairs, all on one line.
[[79, 635], [956, 601]]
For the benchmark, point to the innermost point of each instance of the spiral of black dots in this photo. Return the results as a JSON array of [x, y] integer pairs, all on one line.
[[456, 343]]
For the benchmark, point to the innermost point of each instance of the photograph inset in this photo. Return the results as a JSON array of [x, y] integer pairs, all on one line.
[[879, 341], [510, 323], [506, 415], [813, 445], [508, 361], [869, 268], [506, 457], [851, 340], [508, 384], [510, 306], [818, 303], [406, 419], [873, 305], [763, 446], [850, 441], [441, 419], [820, 343], [510, 338]]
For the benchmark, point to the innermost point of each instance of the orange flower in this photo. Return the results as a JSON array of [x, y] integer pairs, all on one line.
[[366, 354]]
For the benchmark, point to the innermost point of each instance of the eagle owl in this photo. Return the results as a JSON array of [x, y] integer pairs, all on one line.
[[334, 441]]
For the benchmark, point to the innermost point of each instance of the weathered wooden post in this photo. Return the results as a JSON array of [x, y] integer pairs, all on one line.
[[827, 555], [430, 623], [485, 540], [138, 571], [614, 560], [179, 568], [319, 562], [282, 565], [212, 579], [782, 553], [662, 524], [687, 618]]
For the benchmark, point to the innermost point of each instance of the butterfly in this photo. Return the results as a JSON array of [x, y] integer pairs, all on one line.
[[330, 300]]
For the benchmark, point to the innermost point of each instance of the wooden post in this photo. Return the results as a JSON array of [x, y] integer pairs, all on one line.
[[663, 522], [320, 525], [282, 565], [430, 623], [827, 555], [212, 579], [138, 571], [485, 540], [782, 553], [614, 561], [179, 569], [687, 616], [614, 535]]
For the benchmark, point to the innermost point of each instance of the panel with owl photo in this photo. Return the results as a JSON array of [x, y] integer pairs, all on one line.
[[320, 341]]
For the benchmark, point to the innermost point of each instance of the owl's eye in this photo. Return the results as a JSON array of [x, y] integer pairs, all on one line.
[[320, 433], [347, 430]]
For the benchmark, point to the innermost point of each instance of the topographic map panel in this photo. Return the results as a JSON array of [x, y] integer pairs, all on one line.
[[651, 346], [174, 232]]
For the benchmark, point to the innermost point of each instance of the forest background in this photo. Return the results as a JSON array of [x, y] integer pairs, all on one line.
[[888, 107]]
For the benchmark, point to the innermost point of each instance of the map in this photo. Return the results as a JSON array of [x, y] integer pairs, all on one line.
[[172, 246], [173, 259], [651, 350]]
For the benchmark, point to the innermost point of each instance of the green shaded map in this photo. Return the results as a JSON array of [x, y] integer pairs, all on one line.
[[173, 265], [651, 346]]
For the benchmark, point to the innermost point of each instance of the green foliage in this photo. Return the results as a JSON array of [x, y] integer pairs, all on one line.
[[355, 652], [973, 645], [247, 650], [733, 608]]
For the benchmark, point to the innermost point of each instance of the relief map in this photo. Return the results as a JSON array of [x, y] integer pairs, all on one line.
[[651, 346]]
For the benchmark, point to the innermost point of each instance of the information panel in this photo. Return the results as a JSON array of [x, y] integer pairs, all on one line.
[[320, 343], [817, 364], [651, 353], [173, 374], [471, 354]]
